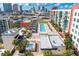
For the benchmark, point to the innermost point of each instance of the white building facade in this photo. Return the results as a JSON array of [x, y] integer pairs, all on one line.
[[61, 17]]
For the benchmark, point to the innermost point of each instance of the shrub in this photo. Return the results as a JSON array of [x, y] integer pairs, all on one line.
[[28, 54], [47, 53], [6, 53]]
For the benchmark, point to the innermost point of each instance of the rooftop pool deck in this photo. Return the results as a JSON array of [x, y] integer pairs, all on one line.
[[49, 38], [30, 46], [42, 27]]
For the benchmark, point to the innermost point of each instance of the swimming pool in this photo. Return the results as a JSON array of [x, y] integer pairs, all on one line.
[[30, 46], [42, 27]]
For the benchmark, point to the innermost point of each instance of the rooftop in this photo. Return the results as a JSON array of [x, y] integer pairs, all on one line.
[[56, 41], [45, 43], [10, 32], [50, 41]]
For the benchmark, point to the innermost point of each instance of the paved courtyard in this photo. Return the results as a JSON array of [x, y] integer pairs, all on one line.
[[36, 38]]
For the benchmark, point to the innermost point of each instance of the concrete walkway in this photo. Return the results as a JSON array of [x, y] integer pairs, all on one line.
[[54, 30], [16, 53]]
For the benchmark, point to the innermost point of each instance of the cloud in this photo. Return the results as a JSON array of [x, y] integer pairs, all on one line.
[[66, 6], [26, 4], [57, 4]]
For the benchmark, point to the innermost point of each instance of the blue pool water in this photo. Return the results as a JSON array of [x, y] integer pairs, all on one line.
[[42, 27], [30, 46]]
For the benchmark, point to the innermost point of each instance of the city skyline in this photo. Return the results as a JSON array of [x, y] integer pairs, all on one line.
[[27, 6]]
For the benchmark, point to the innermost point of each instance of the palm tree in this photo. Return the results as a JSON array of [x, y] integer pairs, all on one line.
[[76, 52], [67, 52], [68, 41], [47, 53], [16, 24], [6, 53], [28, 54], [27, 33], [21, 46], [15, 42]]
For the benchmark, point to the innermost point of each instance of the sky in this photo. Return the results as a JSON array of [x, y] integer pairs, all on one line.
[[27, 6]]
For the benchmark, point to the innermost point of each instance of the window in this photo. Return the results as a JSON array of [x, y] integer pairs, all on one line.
[[66, 13], [74, 19], [73, 42], [78, 39], [72, 30], [65, 17], [77, 20], [76, 44], [75, 32], [77, 26], [74, 37], [78, 14], [78, 33], [60, 14], [75, 13], [68, 17]]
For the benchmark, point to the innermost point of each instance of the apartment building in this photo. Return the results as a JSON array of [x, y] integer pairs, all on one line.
[[15, 7], [61, 17], [68, 20], [74, 25], [4, 25]]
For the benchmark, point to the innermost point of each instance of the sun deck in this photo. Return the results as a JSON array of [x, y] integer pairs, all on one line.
[[56, 41], [50, 39], [45, 43]]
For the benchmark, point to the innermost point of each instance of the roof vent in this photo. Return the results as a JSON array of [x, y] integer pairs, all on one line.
[[61, 44], [54, 42]]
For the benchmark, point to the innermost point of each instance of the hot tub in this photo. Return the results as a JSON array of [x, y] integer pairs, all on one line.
[[30, 46]]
